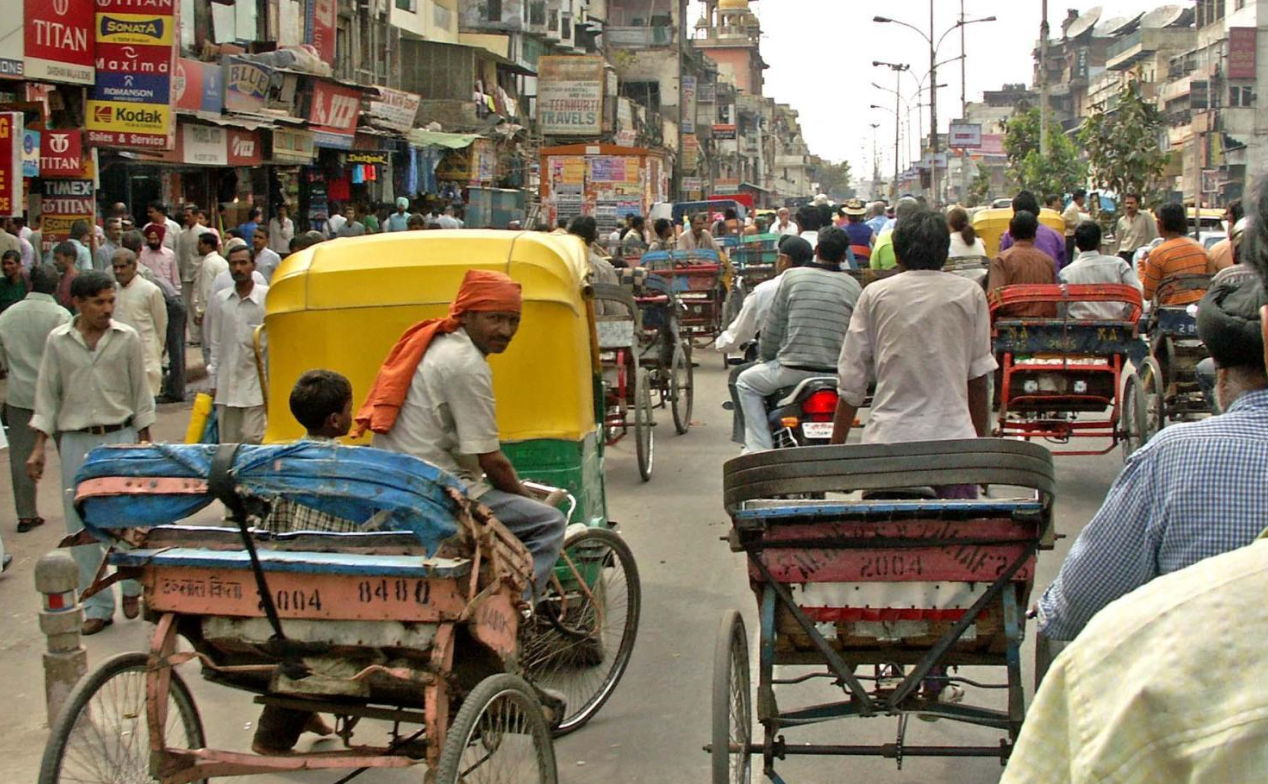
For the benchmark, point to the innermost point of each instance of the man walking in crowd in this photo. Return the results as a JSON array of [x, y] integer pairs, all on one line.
[[210, 266], [861, 236], [1170, 507], [91, 390], [1072, 217], [24, 329], [1047, 239], [281, 231], [784, 225], [883, 251], [447, 220], [14, 283], [187, 258], [230, 324], [9, 239], [157, 212], [14, 227], [81, 237], [399, 220], [1023, 263], [246, 230], [157, 256], [1135, 229], [1221, 253], [1177, 255], [876, 217], [433, 399], [140, 304], [802, 335], [266, 261], [665, 238], [64, 255], [103, 261], [351, 226]]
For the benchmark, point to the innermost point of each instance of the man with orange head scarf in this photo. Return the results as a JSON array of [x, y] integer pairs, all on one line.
[[433, 399]]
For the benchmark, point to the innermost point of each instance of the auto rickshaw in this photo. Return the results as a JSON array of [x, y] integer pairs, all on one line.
[[342, 304], [991, 225]]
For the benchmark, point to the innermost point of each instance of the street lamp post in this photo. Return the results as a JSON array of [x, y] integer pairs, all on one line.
[[898, 69], [933, 73]]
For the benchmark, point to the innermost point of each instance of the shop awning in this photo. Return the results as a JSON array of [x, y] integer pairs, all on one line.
[[420, 137]]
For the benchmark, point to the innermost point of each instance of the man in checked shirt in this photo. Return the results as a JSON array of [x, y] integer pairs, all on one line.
[[1194, 491]]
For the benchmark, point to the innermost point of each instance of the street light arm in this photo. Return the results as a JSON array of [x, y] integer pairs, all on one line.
[[957, 26], [887, 20]]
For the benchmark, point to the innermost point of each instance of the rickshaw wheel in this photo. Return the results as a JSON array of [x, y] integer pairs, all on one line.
[[102, 734], [645, 439], [1133, 425], [1155, 396], [732, 703], [682, 388], [499, 734], [581, 640]]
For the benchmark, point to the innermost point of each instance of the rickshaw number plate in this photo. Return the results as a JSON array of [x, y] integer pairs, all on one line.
[[196, 591]]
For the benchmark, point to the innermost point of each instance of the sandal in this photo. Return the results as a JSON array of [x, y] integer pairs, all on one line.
[[27, 523]]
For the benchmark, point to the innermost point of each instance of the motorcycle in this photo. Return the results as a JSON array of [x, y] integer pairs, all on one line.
[[800, 415]]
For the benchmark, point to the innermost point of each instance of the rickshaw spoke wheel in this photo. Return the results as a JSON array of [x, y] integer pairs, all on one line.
[[645, 438], [682, 388], [1155, 397], [499, 735], [1133, 426], [584, 653], [102, 735], [732, 703]]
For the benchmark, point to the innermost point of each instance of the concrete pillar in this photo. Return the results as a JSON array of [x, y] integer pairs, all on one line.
[[61, 618]]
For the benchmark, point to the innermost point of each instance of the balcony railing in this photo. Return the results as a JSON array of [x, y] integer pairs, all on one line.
[[639, 37]]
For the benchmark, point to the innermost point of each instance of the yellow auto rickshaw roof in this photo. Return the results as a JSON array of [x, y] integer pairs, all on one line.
[[425, 268]]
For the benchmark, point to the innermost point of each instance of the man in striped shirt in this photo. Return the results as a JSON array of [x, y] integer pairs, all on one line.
[[802, 334], [1177, 255]]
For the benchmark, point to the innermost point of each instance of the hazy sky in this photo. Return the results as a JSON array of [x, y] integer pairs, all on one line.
[[820, 54]]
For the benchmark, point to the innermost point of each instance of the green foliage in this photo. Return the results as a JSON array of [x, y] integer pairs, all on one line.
[[980, 190], [834, 178], [1060, 171], [1123, 146]]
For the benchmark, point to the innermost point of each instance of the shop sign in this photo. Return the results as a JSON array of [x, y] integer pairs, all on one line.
[[204, 145], [688, 104], [372, 158], [726, 185], [966, 136], [570, 95], [61, 154], [130, 105], [30, 153], [198, 87], [690, 153], [1242, 42], [64, 202], [293, 146], [11, 201], [394, 109], [319, 27], [723, 132], [57, 42], [244, 148], [246, 85], [692, 184], [333, 115], [626, 138]]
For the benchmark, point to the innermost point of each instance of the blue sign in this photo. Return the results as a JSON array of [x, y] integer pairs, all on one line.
[[30, 153], [132, 88]]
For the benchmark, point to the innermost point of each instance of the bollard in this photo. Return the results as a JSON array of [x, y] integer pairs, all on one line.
[[66, 661]]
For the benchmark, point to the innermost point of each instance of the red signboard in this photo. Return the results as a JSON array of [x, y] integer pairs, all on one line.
[[61, 154], [244, 148], [319, 27], [10, 164], [58, 40], [1241, 52], [334, 109]]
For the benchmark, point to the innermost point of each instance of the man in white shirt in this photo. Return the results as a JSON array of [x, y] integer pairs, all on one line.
[[91, 391], [281, 230], [448, 220], [1090, 267], [784, 224], [266, 261], [140, 305], [24, 329], [925, 336], [230, 325], [210, 266]]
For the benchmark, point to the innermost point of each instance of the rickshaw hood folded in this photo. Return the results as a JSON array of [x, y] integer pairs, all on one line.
[[482, 291]]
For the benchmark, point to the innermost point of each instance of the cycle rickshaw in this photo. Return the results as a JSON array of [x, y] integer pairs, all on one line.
[[1169, 374], [700, 279], [627, 385], [442, 581], [882, 594], [1059, 378]]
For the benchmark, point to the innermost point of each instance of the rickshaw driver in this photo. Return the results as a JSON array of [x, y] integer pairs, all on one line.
[[433, 399]]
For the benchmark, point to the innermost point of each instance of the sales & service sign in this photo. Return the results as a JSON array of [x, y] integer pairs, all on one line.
[[131, 101]]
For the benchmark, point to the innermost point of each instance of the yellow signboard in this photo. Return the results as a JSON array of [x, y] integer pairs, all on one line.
[[128, 117], [134, 29]]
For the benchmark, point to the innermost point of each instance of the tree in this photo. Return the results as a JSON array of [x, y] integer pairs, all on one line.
[[834, 178], [1060, 171], [980, 190], [1123, 146]]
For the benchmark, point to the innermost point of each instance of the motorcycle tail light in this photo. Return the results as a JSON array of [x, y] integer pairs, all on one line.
[[821, 406]]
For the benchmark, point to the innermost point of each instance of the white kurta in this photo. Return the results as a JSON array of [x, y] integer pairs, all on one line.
[[141, 306]]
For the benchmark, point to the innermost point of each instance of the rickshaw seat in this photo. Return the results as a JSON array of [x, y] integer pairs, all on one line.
[[354, 564]]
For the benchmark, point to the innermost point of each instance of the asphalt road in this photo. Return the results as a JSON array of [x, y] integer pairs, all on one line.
[[653, 728]]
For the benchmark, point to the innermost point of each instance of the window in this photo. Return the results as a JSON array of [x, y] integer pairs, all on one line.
[[494, 7], [537, 13], [1242, 96], [407, 5], [565, 26]]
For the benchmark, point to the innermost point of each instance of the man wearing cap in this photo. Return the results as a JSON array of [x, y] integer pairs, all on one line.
[[433, 399], [399, 220], [157, 256], [1191, 492], [861, 235]]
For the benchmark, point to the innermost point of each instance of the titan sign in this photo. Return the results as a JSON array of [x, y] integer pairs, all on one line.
[[57, 41]]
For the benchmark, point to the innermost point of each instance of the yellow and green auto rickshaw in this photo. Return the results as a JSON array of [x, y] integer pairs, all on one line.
[[342, 304]]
